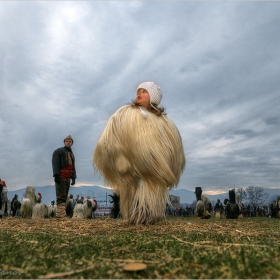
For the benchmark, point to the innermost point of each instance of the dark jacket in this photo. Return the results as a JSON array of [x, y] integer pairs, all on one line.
[[218, 206], [60, 159]]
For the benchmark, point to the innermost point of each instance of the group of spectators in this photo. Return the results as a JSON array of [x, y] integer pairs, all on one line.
[[247, 211], [79, 199], [260, 211], [188, 211], [14, 210]]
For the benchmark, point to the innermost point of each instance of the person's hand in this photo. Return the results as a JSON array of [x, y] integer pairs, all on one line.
[[73, 182], [57, 179]]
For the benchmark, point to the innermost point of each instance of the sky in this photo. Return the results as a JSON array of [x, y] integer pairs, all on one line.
[[66, 67]]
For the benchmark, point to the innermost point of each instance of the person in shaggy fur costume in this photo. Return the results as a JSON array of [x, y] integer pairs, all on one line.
[[140, 154]]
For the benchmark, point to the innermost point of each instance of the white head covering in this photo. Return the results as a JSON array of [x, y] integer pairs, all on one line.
[[153, 90]]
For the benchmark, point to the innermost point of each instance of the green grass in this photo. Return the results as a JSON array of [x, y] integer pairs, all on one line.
[[176, 248]]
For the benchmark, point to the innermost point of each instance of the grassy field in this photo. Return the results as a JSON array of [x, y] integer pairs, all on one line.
[[175, 248]]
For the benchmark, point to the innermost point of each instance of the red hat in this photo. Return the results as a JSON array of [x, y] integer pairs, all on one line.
[[40, 195]]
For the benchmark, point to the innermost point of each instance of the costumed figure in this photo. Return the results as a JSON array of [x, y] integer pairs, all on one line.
[[278, 206], [203, 204], [2, 205], [84, 210], [140, 154], [70, 204], [29, 201], [232, 207], [115, 211], [15, 206], [52, 209]]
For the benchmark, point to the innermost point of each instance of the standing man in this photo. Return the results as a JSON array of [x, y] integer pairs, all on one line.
[[63, 164]]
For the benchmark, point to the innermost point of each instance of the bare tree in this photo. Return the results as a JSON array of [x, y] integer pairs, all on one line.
[[242, 194], [256, 195]]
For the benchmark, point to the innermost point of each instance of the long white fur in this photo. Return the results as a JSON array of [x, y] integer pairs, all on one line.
[[40, 211], [218, 213], [83, 211], [26, 208], [28, 202], [201, 210], [141, 158], [52, 210]]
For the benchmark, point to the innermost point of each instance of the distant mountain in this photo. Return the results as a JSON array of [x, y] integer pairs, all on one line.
[[187, 197], [102, 194]]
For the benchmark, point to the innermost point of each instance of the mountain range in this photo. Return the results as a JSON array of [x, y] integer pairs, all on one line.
[[103, 198]]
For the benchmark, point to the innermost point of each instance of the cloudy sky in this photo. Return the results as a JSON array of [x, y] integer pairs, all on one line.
[[66, 67]]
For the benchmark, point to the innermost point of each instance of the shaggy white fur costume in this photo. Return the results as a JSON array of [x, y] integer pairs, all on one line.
[[201, 207], [52, 210], [84, 211], [40, 211], [28, 202], [141, 156]]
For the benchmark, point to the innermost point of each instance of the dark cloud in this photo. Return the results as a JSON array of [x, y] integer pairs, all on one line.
[[274, 121], [68, 66]]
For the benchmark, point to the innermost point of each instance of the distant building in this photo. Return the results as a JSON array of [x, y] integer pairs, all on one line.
[[175, 201]]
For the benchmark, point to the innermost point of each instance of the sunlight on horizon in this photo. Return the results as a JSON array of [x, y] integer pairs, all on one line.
[[91, 185]]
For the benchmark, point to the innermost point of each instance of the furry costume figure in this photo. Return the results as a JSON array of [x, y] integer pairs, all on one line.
[[52, 210], [16, 205], [141, 156], [84, 210], [70, 205], [233, 211], [116, 205], [28, 202], [40, 211], [232, 208], [203, 205], [278, 207]]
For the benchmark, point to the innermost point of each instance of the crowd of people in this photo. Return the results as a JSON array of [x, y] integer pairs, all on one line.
[[188, 211], [12, 208], [266, 210]]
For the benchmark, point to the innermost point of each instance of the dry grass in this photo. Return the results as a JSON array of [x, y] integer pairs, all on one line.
[[175, 248], [236, 228]]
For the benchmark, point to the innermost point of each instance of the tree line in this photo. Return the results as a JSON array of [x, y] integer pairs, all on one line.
[[253, 195]]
